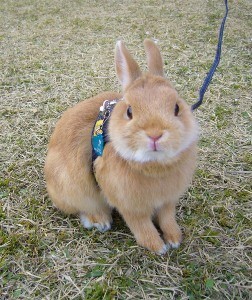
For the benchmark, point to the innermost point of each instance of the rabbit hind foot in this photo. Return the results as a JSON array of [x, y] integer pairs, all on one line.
[[100, 221]]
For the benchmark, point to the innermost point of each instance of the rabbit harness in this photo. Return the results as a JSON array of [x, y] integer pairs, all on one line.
[[100, 130]]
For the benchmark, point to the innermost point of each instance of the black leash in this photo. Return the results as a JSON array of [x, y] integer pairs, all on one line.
[[215, 63]]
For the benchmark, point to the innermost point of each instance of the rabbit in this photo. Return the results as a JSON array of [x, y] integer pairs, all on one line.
[[146, 165]]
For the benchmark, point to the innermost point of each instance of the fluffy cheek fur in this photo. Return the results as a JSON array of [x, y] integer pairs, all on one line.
[[134, 144]]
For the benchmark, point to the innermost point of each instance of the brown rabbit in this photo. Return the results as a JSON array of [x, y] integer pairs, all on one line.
[[146, 164]]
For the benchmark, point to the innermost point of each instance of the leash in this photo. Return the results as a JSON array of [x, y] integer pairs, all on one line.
[[215, 62]]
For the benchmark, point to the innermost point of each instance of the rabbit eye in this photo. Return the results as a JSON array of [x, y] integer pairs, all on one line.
[[176, 111], [129, 112]]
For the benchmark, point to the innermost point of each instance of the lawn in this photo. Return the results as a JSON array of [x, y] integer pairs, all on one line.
[[54, 54]]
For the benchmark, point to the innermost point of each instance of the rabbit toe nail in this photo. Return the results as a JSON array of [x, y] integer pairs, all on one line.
[[102, 227]]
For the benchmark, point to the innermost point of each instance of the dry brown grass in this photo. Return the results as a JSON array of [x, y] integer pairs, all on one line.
[[56, 53]]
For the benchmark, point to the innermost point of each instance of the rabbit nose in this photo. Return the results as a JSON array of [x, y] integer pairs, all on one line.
[[155, 138]]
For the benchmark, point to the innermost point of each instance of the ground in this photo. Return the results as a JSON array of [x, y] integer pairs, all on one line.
[[57, 53]]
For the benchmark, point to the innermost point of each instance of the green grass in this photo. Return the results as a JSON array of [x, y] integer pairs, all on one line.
[[57, 53]]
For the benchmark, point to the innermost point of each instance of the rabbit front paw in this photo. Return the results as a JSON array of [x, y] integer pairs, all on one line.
[[154, 245], [173, 236]]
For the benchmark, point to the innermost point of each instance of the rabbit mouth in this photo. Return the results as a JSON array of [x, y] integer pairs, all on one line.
[[153, 152], [153, 155], [154, 146]]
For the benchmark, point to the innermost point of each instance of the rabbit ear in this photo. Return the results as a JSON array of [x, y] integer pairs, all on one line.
[[127, 68], [154, 58]]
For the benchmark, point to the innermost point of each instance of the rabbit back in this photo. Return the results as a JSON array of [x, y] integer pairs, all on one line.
[[68, 167]]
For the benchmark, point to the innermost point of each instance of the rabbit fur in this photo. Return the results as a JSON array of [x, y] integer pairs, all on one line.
[[145, 167]]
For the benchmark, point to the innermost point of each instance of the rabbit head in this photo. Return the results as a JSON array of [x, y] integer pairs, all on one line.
[[152, 123]]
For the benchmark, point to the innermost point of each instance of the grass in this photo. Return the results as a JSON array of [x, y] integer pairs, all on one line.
[[56, 53]]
